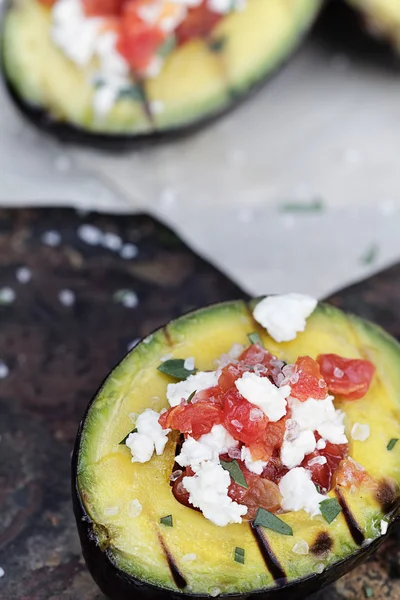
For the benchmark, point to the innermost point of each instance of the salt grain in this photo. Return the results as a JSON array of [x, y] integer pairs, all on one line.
[[237, 425], [51, 238], [175, 475], [338, 373], [214, 592], [66, 297], [129, 251], [256, 415], [23, 274], [135, 508], [384, 527], [189, 363], [319, 568], [360, 432], [189, 557], [90, 234], [301, 547], [7, 295], [111, 511], [4, 370]]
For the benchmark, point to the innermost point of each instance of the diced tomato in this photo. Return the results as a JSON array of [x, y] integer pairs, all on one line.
[[350, 473], [256, 355], [310, 383], [179, 491], [274, 470], [349, 377], [230, 374], [261, 493], [212, 394], [195, 418], [102, 8], [322, 474], [47, 2], [242, 419], [199, 22]]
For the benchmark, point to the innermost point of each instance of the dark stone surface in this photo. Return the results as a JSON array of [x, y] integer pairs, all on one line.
[[57, 356]]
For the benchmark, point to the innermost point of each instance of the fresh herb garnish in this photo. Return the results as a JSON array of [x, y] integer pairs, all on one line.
[[167, 521], [368, 591], [370, 255], [239, 555], [271, 521], [392, 443], [133, 92], [167, 47], [316, 205], [330, 509], [175, 368], [217, 44], [191, 397], [254, 338], [318, 488], [235, 472], [127, 435]]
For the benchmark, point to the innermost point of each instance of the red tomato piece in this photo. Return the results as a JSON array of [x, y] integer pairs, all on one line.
[[195, 418], [349, 377], [199, 22], [230, 374], [310, 383], [322, 474], [256, 355], [102, 8], [351, 474], [244, 421], [274, 471]]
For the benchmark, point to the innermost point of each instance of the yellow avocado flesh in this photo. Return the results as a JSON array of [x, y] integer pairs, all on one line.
[[108, 481], [195, 82]]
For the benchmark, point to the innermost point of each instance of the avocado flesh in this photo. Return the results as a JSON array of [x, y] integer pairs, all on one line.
[[195, 83], [382, 18], [107, 478]]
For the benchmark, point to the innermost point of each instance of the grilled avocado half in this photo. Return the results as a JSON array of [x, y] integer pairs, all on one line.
[[139, 556], [199, 79]]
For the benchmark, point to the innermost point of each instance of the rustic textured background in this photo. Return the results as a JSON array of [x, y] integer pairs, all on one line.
[[61, 332]]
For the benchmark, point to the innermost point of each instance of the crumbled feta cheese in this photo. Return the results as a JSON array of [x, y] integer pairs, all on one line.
[[189, 363], [301, 547], [321, 444], [7, 295], [264, 394], [284, 316], [208, 447], [90, 234], [66, 297], [197, 382], [134, 508], [189, 557], [111, 511], [384, 527], [317, 460], [321, 416], [2, 572], [360, 432], [208, 491], [255, 466], [294, 450], [4, 370], [299, 492], [23, 274], [51, 238], [150, 437]]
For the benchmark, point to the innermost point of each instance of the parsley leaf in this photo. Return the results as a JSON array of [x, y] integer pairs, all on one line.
[[167, 521], [254, 338], [370, 255], [175, 368], [235, 472], [217, 44], [392, 443], [270, 521], [330, 509], [127, 435], [316, 205], [239, 555], [191, 397]]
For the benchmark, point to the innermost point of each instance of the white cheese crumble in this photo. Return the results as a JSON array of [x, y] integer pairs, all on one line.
[[321, 416], [208, 447], [294, 450], [111, 511], [264, 394], [189, 557], [197, 382], [208, 491], [301, 547], [299, 492], [150, 437], [283, 316], [321, 444], [255, 466], [384, 527], [134, 508], [360, 432]]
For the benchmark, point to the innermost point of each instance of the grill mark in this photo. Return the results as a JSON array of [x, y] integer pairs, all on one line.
[[322, 544], [354, 528], [272, 563], [386, 495], [177, 576]]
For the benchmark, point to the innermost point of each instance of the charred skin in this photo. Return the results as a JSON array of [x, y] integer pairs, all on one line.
[[351, 525], [225, 80]]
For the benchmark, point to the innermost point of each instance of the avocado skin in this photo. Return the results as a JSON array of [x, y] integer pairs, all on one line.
[[69, 133], [118, 585]]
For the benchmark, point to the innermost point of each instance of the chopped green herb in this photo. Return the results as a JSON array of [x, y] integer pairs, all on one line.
[[133, 92], [217, 44], [271, 521], [239, 555], [254, 338], [127, 435], [316, 205], [330, 509], [191, 397], [392, 443], [167, 521], [167, 47], [175, 368], [370, 255], [318, 488], [235, 472], [368, 591]]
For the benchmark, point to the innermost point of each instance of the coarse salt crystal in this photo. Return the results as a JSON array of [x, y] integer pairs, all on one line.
[[111, 511], [235, 453], [175, 475], [214, 592], [189, 557], [319, 568], [318, 460], [301, 547], [384, 527], [189, 363], [135, 508], [338, 373], [237, 424], [256, 415], [360, 432]]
